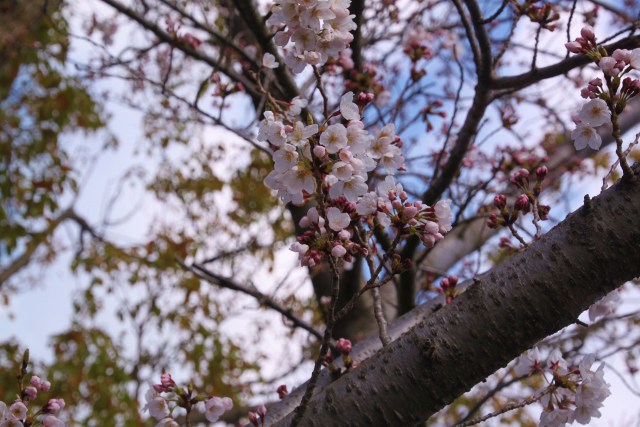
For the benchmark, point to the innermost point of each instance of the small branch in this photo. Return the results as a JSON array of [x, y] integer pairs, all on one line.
[[517, 235], [308, 393], [497, 13], [378, 311], [262, 299], [509, 407], [615, 164], [535, 48], [325, 98], [626, 170]]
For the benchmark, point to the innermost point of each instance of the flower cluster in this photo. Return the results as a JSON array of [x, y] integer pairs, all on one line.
[[17, 414], [608, 97], [575, 394], [334, 161], [316, 30], [161, 406]]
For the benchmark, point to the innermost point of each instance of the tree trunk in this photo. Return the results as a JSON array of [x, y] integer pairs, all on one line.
[[506, 311]]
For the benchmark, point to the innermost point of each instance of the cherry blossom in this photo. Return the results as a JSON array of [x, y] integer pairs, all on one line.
[[216, 406], [348, 108], [269, 61], [156, 405], [337, 220], [595, 113], [584, 135], [334, 138]]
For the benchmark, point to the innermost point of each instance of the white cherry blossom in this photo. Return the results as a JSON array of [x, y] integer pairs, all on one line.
[[368, 204], [584, 135], [337, 220], [348, 108], [595, 113], [269, 61], [334, 138], [285, 158]]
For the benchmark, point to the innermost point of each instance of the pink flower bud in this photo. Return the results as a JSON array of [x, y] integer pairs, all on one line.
[[319, 151], [166, 381], [522, 203], [541, 172], [587, 33], [574, 47], [262, 411], [409, 212], [254, 418], [53, 406], [30, 392], [45, 386], [493, 221], [344, 235], [500, 201], [35, 381], [520, 178], [343, 345], [282, 391], [338, 251]]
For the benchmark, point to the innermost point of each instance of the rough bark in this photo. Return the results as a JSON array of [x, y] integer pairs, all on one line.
[[506, 311]]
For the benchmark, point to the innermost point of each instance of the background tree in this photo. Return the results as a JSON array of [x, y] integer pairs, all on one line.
[[467, 86]]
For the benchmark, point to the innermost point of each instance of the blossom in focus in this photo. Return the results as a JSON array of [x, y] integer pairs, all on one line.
[[528, 362], [595, 113], [337, 220]]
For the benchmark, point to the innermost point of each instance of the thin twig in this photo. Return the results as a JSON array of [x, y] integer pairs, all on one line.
[[509, 407], [615, 164], [306, 398]]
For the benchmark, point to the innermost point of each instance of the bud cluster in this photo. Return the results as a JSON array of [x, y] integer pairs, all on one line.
[[17, 414], [524, 203], [606, 99], [164, 397]]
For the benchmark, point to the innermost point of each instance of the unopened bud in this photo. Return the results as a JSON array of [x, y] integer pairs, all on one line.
[[500, 201], [253, 418], [343, 345], [541, 172], [522, 203], [587, 33], [319, 151], [282, 391], [262, 411]]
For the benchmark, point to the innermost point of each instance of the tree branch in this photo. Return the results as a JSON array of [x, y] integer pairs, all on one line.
[[506, 311]]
